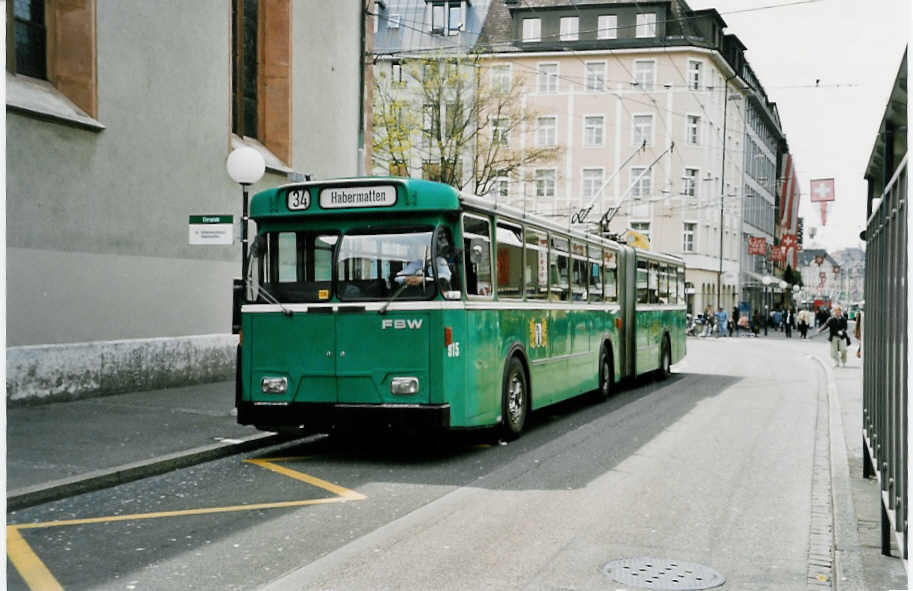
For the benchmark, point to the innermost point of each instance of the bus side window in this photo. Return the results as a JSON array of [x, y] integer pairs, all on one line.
[[653, 283], [559, 273], [477, 257], [643, 295], [535, 265], [662, 291], [579, 279], [448, 267], [610, 266], [681, 285], [594, 271], [510, 260]]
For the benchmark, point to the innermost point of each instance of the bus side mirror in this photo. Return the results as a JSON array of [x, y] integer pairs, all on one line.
[[237, 293]]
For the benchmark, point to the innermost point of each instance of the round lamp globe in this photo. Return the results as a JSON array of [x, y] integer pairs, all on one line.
[[245, 165]]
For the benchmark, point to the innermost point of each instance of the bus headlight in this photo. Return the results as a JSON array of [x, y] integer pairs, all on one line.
[[404, 386], [274, 385]]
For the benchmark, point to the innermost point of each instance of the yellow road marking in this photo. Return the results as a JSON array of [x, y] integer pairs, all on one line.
[[37, 576], [269, 464]]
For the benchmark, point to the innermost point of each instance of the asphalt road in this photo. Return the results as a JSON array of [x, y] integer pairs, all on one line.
[[711, 467]]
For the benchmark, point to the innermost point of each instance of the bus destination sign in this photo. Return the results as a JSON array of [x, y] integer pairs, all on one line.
[[340, 197]]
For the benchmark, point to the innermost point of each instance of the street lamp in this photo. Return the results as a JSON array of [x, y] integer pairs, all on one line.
[[766, 280], [245, 166]]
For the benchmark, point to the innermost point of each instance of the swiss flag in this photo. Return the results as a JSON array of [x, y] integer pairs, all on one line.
[[822, 190]]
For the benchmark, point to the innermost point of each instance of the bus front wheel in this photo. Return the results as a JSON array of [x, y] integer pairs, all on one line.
[[514, 400]]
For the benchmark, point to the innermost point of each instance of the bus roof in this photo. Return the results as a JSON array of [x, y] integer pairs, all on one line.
[[350, 195], [398, 195]]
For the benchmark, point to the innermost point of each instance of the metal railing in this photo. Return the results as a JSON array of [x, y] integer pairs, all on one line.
[[884, 426]]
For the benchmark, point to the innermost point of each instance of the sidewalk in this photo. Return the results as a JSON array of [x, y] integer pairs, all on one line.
[[858, 543], [66, 448]]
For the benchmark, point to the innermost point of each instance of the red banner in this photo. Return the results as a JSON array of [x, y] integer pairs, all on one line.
[[757, 245]]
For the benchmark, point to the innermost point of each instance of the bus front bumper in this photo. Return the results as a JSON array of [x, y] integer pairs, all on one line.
[[317, 417]]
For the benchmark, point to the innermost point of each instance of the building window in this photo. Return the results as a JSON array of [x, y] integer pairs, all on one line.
[[607, 26], [431, 123], [689, 182], [532, 30], [546, 131], [500, 131], [261, 81], [645, 74], [393, 21], [31, 38], [593, 126], [545, 182], [569, 28], [644, 187], [547, 78], [454, 19], [500, 187], [500, 78], [688, 231], [642, 130], [594, 80], [646, 25], [592, 181], [692, 130], [437, 18], [396, 74], [642, 228], [694, 74], [244, 82]]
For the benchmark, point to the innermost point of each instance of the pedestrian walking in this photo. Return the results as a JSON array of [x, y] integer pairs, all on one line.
[[722, 320], [708, 321], [788, 321], [803, 323], [736, 316], [836, 327], [756, 323]]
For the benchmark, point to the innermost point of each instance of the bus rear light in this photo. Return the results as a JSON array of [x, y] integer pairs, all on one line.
[[404, 386], [272, 385], [448, 336], [618, 322]]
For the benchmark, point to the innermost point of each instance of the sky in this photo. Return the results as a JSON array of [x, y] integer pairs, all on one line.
[[854, 47]]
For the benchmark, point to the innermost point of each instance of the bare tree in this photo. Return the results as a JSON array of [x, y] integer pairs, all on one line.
[[461, 116]]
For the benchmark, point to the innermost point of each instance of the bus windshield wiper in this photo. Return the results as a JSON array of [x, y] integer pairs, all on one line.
[[270, 298], [383, 309]]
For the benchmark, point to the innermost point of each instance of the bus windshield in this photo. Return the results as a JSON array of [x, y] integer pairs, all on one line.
[[376, 265], [297, 266]]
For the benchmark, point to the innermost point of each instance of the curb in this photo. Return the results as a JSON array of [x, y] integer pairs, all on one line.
[[848, 575], [91, 481]]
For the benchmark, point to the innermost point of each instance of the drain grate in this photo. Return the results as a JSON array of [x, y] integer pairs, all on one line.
[[662, 573]]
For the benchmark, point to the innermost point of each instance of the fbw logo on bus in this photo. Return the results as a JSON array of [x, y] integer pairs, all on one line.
[[401, 324]]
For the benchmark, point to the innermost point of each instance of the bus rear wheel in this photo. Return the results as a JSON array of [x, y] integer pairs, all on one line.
[[665, 360], [606, 376], [514, 400]]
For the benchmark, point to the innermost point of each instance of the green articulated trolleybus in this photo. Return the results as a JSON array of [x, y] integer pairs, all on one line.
[[404, 302]]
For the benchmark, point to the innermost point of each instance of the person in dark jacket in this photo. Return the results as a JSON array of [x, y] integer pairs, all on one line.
[[839, 339]]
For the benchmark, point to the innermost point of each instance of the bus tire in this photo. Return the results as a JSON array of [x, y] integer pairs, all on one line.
[[514, 399], [665, 359], [606, 375]]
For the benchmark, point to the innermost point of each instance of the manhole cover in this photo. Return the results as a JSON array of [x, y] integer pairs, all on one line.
[[662, 573]]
